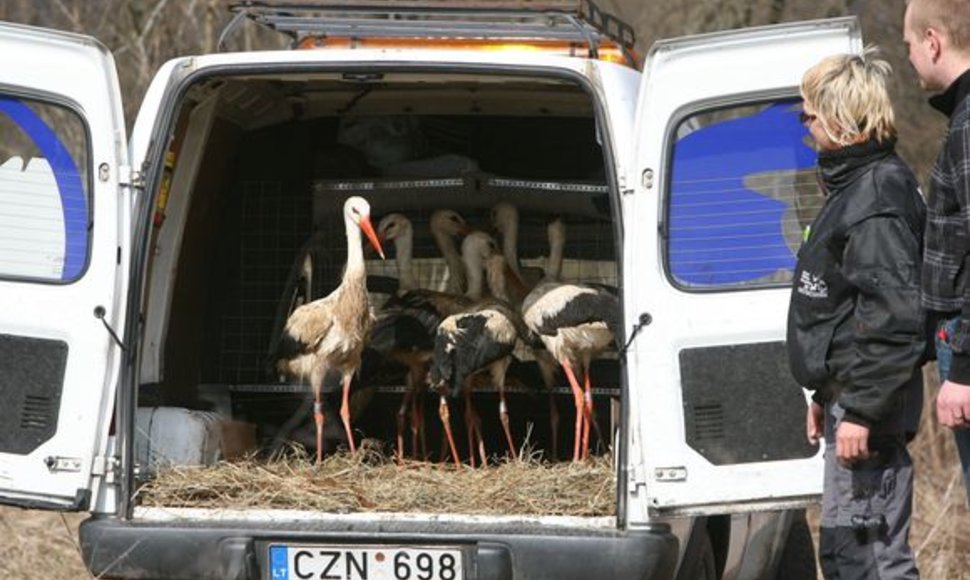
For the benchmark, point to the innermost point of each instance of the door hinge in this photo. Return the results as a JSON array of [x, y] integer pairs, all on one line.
[[670, 474], [131, 177], [63, 464], [107, 466]]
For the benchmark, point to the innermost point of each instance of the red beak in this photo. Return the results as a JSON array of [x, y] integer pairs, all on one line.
[[368, 228]]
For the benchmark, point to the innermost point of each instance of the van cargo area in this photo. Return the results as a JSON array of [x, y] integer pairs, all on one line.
[[258, 169]]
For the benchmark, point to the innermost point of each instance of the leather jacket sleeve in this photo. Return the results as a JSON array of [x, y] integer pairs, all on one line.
[[881, 260]]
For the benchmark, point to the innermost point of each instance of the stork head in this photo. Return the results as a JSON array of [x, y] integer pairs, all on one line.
[[357, 211], [505, 217], [394, 226], [556, 230], [477, 248], [449, 222]]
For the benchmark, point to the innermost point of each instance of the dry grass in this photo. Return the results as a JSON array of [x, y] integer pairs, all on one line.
[[371, 482], [35, 544], [39, 544]]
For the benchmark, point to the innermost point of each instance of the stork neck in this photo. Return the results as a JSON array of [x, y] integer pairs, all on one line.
[[475, 277], [497, 283], [554, 266], [355, 251], [456, 268], [510, 245], [403, 255]]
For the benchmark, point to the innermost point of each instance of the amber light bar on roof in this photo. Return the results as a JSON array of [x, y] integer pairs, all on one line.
[[607, 51], [568, 27]]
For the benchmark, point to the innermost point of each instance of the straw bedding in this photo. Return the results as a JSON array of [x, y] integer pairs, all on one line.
[[370, 481]]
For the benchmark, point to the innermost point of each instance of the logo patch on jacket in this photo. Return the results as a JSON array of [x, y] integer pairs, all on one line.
[[812, 286]]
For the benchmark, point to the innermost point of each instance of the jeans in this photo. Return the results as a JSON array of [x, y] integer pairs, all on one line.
[[944, 357]]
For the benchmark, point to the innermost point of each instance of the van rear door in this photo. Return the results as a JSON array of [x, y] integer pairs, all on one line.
[[725, 168], [63, 263]]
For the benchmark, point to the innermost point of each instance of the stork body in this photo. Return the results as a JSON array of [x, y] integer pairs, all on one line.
[[328, 335], [576, 323]]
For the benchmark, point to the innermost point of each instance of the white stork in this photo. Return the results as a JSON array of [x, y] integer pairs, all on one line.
[[482, 338], [576, 323], [329, 333]]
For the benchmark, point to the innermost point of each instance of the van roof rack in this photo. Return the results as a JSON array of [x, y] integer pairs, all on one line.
[[574, 21]]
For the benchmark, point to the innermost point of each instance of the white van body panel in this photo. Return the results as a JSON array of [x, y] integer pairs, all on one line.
[[76, 72], [681, 76]]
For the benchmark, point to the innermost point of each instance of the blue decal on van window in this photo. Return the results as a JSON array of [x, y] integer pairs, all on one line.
[[71, 188], [723, 232]]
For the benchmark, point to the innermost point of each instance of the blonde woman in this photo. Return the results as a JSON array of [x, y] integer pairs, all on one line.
[[855, 329]]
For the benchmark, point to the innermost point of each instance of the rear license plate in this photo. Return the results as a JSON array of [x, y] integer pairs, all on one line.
[[361, 562]]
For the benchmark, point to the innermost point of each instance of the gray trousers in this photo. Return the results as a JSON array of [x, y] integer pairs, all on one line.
[[866, 508]]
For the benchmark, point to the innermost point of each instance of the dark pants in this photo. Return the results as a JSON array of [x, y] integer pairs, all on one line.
[[866, 508], [944, 356]]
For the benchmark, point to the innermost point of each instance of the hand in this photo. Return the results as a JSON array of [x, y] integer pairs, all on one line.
[[851, 443], [953, 405], [814, 422]]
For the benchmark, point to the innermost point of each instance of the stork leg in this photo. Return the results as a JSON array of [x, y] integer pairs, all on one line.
[[419, 443], [402, 415], [547, 369], [473, 422], [417, 415], [590, 414], [499, 369], [316, 383], [445, 415], [578, 401], [345, 412]]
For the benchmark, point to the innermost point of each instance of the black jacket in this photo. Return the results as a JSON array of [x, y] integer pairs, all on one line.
[[855, 319]]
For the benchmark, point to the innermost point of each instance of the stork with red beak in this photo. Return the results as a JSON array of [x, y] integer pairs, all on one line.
[[328, 334]]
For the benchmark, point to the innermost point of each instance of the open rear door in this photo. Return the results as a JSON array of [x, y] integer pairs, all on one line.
[[63, 254], [725, 169]]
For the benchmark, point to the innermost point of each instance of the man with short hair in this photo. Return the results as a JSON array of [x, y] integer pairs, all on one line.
[[937, 33]]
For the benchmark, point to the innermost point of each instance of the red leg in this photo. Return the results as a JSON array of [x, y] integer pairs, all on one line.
[[318, 419], [587, 412], [445, 415], [469, 428], [498, 377], [591, 418], [578, 400], [401, 417], [345, 413], [316, 383], [416, 411]]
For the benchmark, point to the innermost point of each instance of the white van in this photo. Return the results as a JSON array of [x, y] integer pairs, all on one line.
[[146, 271]]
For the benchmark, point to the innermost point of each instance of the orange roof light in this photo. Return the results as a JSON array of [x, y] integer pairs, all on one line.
[[606, 51]]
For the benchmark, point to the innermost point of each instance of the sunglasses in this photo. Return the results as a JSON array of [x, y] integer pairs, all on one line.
[[805, 118]]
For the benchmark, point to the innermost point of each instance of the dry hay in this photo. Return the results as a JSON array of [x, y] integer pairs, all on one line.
[[369, 481], [941, 519]]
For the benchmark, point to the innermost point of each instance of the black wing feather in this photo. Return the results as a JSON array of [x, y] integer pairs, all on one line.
[[583, 308]]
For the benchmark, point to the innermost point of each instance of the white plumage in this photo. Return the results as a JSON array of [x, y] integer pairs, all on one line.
[[329, 334]]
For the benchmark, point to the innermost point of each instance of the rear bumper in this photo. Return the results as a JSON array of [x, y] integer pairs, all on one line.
[[124, 549]]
